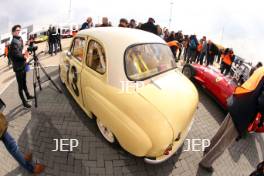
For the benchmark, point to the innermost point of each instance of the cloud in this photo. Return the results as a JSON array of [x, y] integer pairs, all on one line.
[[237, 24]]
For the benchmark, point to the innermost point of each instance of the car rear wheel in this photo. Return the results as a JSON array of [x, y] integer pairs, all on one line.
[[108, 135], [188, 71]]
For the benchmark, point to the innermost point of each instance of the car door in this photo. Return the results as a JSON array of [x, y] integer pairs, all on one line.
[[74, 68], [94, 77]]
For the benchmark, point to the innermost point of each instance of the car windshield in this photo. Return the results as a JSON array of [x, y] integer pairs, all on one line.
[[146, 60]]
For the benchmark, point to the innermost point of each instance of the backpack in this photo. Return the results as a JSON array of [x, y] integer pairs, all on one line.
[[8, 52], [193, 44]]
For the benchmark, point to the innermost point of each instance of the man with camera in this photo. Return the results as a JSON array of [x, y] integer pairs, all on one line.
[[19, 64]]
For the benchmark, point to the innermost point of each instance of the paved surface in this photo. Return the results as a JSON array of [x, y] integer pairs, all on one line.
[[58, 116]]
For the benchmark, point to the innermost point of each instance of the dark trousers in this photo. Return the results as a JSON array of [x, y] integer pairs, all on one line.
[[191, 56], [9, 61], [52, 47], [201, 58], [197, 57], [22, 85], [218, 58], [185, 53], [173, 50], [180, 52], [59, 45], [210, 59], [225, 68]]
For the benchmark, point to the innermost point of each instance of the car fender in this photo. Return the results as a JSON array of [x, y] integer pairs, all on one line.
[[129, 135]]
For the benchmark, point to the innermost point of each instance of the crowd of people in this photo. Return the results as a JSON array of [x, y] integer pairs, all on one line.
[[54, 40], [187, 47]]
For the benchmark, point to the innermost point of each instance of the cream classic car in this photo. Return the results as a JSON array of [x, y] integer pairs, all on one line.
[[127, 80]]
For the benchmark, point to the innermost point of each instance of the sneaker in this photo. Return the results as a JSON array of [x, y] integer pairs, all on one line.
[[208, 169], [39, 168], [26, 105]]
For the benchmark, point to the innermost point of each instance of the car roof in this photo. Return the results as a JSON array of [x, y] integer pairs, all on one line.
[[126, 36], [115, 41]]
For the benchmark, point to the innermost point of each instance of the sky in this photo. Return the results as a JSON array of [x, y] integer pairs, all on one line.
[[238, 24]]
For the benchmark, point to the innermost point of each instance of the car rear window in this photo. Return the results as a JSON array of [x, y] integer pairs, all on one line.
[[146, 60]]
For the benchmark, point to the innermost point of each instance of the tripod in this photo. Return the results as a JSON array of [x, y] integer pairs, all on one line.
[[36, 76]]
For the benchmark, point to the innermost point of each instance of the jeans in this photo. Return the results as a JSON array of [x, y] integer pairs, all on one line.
[[13, 149]]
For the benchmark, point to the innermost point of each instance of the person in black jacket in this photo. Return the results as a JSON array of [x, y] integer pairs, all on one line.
[[179, 38], [19, 63], [243, 106], [58, 38], [150, 26], [88, 24], [212, 50], [192, 49]]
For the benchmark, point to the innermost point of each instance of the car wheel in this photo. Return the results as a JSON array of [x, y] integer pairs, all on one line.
[[108, 135], [60, 75], [188, 71]]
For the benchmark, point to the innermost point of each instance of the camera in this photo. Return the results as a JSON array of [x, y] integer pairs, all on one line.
[[32, 48]]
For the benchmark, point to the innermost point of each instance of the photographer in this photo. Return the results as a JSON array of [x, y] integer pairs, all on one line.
[[12, 148], [243, 106], [19, 64]]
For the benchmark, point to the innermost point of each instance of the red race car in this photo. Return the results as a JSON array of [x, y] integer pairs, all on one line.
[[210, 78]]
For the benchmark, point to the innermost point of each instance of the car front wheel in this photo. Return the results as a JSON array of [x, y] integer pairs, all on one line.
[[108, 135], [188, 71]]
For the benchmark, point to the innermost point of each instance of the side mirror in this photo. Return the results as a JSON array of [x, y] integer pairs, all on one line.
[[68, 53]]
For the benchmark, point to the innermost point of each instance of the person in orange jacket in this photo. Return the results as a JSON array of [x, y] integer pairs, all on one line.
[[243, 106], [6, 53], [227, 60], [174, 46]]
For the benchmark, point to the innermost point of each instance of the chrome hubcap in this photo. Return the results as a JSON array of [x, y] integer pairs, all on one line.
[[108, 135], [187, 72]]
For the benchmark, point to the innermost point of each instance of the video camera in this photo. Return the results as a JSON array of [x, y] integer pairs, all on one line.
[[32, 48]]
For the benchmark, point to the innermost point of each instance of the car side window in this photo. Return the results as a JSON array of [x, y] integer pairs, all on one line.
[[78, 49], [96, 57]]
